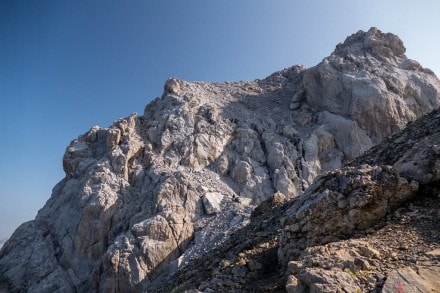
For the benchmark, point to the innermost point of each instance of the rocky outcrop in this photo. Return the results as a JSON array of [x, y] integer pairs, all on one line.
[[150, 193], [385, 250], [398, 253], [340, 203], [354, 80], [352, 200]]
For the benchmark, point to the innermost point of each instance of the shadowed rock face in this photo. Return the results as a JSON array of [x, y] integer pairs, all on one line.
[[153, 191], [351, 200], [342, 202]]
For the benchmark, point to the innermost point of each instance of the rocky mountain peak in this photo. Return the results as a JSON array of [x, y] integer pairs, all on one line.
[[353, 80], [153, 192], [380, 45]]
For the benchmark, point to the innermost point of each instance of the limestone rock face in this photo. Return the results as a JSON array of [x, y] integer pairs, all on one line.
[[369, 80], [152, 191], [352, 230]]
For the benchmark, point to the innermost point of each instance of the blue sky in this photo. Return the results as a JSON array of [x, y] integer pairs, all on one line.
[[68, 65]]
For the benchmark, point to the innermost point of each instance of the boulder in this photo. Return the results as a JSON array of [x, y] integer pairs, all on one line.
[[211, 202], [425, 279]]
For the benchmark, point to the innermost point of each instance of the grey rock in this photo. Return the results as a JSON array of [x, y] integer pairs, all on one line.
[[408, 280], [294, 285], [320, 280], [172, 86], [294, 105], [134, 197], [365, 79], [317, 216], [338, 205], [242, 172]]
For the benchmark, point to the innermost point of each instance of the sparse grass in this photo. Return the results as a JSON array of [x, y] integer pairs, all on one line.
[[358, 273], [179, 288]]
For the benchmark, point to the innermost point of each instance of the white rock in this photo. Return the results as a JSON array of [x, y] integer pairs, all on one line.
[[211, 202]]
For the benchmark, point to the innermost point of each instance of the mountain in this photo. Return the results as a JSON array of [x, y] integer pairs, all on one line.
[[152, 194]]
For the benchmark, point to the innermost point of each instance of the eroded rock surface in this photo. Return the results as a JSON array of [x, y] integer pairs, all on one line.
[[353, 81], [424, 279], [364, 241], [340, 203], [150, 193], [353, 201]]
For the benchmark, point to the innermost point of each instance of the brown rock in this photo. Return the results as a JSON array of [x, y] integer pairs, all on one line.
[[408, 280]]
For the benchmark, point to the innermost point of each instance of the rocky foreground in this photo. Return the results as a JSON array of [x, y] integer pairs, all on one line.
[[242, 187]]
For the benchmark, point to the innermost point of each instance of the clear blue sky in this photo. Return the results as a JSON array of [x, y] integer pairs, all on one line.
[[68, 65]]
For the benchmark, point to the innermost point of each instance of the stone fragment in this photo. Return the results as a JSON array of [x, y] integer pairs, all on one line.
[[172, 86], [294, 285], [242, 172], [435, 252], [320, 280], [294, 267], [211, 202], [407, 280], [294, 105], [113, 137]]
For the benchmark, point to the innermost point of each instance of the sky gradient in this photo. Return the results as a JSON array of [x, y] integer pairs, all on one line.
[[68, 65]]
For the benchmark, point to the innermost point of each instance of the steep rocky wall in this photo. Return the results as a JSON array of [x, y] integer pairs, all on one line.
[[350, 200], [152, 191]]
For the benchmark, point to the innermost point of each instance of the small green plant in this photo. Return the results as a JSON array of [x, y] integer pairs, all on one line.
[[358, 273], [355, 274], [316, 264], [177, 289]]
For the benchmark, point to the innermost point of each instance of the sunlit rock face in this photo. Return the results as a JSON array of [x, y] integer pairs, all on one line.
[[152, 191]]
